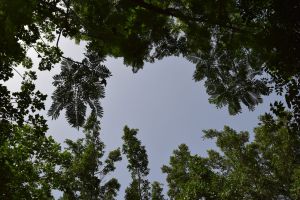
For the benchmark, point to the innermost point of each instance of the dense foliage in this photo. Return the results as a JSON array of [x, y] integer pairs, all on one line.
[[137, 165], [266, 168], [83, 174], [234, 44], [137, 157], [242, 50]]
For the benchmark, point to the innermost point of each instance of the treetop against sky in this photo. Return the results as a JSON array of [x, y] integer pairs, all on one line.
[[242, 50]]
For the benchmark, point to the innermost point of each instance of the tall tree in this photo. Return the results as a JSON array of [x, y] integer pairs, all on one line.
[[190, 177], [83, 172], [137, 165]]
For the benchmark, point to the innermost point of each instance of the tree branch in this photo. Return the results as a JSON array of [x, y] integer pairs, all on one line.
[[18, 72], [167, 12], [178, 14]]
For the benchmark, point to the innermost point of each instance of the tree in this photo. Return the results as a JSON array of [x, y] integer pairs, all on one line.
[[156, 191], [137, 165], [266, 168], [139, 188], [83, 172], [189, 177], [28, 165]]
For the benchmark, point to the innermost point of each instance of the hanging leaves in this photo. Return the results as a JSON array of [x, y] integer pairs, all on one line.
[[79, 85]]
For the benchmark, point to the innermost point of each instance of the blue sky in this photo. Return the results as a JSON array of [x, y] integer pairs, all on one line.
[[162, 101]]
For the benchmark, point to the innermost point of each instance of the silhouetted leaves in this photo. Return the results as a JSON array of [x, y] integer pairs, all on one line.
[[266, 168], [78, 85]]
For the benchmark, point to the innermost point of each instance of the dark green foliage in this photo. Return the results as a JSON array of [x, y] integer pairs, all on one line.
[[266, 168], [139, 188], [28, 162], [77, 85], [21, 107], [83, 172], [233, 43], [156, 191], [230, 81], [137, 166]]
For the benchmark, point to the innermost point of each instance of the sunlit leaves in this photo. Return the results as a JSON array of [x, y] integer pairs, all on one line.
[[28, 161]]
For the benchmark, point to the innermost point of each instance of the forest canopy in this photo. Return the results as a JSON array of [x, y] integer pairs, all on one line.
[[242, 50]]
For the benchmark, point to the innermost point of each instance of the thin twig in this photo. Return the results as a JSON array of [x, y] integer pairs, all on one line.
[[37, 52], [18, 73], [57, 41], [70, 59]]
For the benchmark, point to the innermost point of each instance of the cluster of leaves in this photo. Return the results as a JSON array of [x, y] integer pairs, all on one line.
[[79, 84], [266, 168], [27, 161], [137, 157], [33, 165], [83, 173]]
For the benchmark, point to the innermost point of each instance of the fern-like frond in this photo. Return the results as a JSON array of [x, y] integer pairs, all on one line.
[[77, 86]]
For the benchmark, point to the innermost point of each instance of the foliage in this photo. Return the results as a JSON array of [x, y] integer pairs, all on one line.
[[33, 165], [28, 162], [189, 177], [266, 168], [242, 49], [241, 40], [156, 191], [234, 44], [137, 165], [137, 158], [230, 85], [79, 84], [21, 107], [82, 173]]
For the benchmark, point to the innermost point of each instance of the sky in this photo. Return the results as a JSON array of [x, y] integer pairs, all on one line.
[[162, 101]]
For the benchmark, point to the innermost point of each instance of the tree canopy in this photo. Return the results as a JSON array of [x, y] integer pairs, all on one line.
[[242, 50], [234, 44], [266, 168]]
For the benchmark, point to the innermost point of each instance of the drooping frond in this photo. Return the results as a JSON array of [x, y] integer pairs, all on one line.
[[55, 109], [96, 107], [229, 82], [77, 86]]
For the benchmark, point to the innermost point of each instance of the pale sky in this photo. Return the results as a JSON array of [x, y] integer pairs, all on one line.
[[162, 101]]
